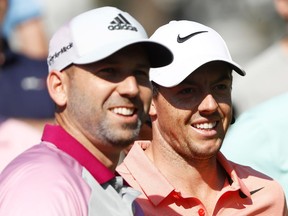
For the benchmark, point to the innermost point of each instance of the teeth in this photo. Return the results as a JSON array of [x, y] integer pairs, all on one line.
[[205, 125], [123, 111]]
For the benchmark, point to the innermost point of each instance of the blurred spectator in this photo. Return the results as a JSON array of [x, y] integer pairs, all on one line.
[[258, 139], [267, 74], [23, 28], [23, 95], [23, 91]]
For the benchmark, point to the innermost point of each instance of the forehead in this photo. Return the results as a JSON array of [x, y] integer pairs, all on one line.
[[210, 71]]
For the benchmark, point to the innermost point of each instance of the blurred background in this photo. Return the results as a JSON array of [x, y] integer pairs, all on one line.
[[248, 26]]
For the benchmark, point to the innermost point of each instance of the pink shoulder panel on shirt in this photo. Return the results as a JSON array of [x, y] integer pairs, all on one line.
[[15, 137], [51, 178]]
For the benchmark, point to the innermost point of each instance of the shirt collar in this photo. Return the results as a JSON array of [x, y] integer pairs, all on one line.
[[137, 160], [144, 171], [65, 142], [234, 180]]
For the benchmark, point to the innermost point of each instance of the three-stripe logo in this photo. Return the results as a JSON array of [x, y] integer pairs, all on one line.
[[121, 23]]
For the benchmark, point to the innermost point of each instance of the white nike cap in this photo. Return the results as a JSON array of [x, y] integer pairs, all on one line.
[[97, 34], [193, 45]]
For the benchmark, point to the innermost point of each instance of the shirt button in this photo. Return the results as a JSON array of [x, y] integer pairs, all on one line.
[[201, 212]]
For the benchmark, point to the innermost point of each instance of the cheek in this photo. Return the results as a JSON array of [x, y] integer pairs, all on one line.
[[100, 90], [225, 103], [226, 108], [227, 112], [168, 115]]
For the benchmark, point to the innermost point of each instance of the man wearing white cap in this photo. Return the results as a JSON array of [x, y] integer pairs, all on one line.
[[181, 171], [98, 78]]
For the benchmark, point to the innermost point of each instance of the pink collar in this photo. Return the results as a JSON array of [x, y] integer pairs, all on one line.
[[65, 142]]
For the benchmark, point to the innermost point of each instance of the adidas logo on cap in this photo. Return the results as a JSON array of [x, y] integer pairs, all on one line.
[[121, 23]]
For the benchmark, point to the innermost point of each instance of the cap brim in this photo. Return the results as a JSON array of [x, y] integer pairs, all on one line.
[[172, 80], [158, 54], [237, 68]]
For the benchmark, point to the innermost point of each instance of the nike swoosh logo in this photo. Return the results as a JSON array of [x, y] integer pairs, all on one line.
[[183, 39], [254, 191], [242, 195]]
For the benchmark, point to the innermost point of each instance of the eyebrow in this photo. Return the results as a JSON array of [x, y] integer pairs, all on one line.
[[144, 65]]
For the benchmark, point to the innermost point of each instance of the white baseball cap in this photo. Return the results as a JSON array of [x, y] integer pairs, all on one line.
[[193, 45], [97, 34]]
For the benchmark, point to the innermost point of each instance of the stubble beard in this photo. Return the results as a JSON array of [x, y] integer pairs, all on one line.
[[118, 137]]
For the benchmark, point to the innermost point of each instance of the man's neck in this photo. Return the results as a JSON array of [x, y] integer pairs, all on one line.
[[203, 179], [108, 156]]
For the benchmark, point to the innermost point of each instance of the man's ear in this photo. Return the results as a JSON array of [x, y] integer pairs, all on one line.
[[57, 87]]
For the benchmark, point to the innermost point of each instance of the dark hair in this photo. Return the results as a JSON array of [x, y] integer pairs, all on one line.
[[155, 89]]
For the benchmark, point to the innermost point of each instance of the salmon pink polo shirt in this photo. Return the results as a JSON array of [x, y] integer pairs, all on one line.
[[245, 193], [61, 177]]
